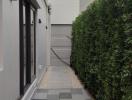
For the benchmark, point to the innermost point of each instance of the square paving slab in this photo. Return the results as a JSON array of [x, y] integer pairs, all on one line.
[[65, 95]]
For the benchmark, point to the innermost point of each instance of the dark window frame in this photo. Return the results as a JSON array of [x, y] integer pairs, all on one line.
[[34, 17], [29, 80]]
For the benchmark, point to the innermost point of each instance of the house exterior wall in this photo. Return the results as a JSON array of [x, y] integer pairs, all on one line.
[[64, 11], [43, 38], [9, 76], [63, 14], [42, 34], [9, 48], [48, 39], [61, 44], [1, 35], [84, 4]]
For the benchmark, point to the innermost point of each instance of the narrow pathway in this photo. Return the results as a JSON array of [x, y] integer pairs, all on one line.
[[60, 83]]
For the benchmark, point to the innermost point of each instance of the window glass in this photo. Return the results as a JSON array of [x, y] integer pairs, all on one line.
[[32, 43], [27, 47], [24, 40]]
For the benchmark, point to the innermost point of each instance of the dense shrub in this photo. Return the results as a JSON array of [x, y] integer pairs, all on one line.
[[102, 49]]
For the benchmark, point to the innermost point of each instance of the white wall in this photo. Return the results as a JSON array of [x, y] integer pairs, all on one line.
[[64, 11], [42, 39], [1, 64], [48, 39], [43, 35], [1, 51], [84, 4], [9, 56], [63, 14], [61, 44], [9, 77]]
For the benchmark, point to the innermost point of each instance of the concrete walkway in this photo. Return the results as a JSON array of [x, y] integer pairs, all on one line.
[[60, 83]]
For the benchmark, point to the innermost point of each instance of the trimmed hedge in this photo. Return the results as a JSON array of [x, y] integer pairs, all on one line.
[[102, 49]]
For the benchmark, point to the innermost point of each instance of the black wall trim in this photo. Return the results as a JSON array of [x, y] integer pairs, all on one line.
[[21, 46], [28, 43]]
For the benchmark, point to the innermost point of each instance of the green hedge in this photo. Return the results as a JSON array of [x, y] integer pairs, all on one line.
[[102, 49]]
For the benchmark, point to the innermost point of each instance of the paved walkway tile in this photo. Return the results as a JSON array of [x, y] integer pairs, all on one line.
[[65, 95], [60, 83]]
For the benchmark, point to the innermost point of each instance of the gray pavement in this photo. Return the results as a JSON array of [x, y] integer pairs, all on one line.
[[60, 83]]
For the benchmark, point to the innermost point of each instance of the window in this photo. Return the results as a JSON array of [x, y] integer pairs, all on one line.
[[33, 43], [27, 44], [24, 43]]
